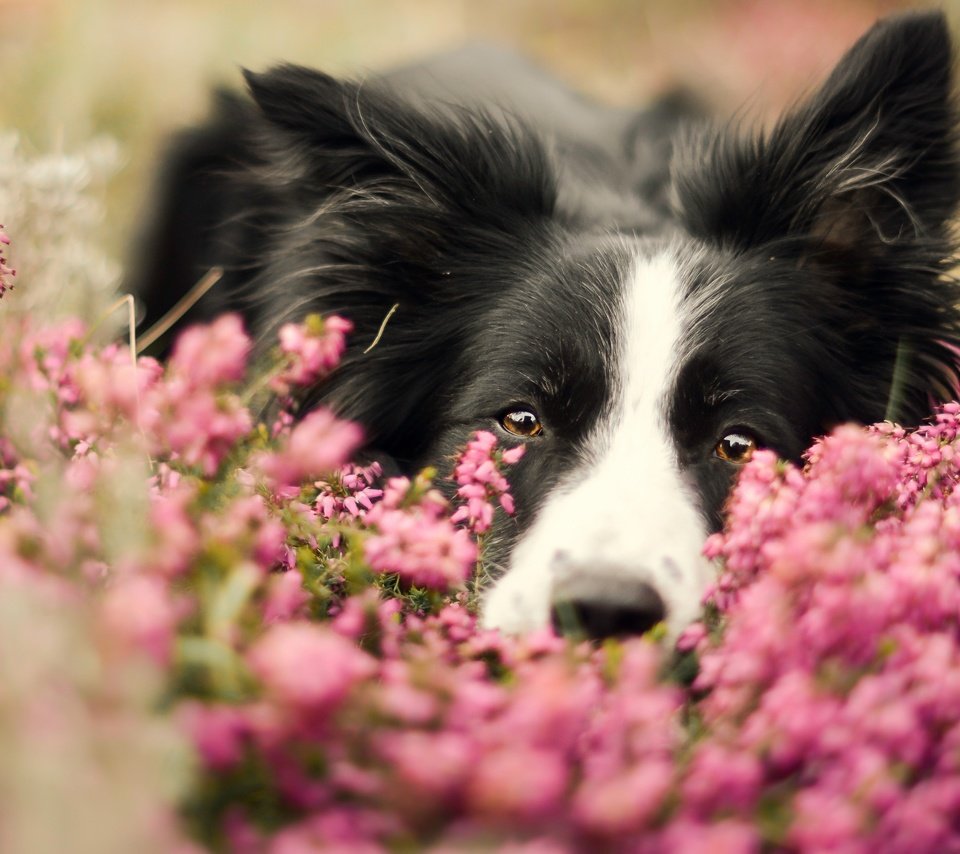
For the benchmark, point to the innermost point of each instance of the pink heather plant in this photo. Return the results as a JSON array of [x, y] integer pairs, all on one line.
[[415, 538], [212, 356], [350, 494], [480, 481], [309, 351], [318, 444], [307, 630]]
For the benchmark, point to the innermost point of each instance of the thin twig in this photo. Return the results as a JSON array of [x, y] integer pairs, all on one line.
[[383, 326], [183, 305]]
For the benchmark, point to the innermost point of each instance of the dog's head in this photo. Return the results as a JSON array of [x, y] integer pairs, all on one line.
[[800, 283]]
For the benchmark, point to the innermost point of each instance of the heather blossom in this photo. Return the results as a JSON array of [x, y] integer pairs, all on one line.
[[317, 445], [416, 539], [315, 643], [310, 350], [214, 355], [15, 478], [480, 481], [834, 617], [307, 666], [350, 494]]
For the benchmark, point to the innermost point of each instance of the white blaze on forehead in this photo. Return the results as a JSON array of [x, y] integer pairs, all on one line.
[[626, 512], [651, 342]]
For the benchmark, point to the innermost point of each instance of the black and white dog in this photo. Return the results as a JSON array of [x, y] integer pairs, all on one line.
[[639, 299]]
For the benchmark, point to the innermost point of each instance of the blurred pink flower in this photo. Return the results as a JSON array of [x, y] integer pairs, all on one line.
[[515, 783], [286, 598], [317, 445], [7, 273], [308, 667], [219, 732], [312, 349], [138, 612], [213, 355], [624, 803]]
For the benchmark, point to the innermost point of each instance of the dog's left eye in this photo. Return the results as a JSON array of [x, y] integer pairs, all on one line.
[[521, 422], [736, 448]]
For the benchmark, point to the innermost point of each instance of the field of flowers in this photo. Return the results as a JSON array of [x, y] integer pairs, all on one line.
[[217, 632]]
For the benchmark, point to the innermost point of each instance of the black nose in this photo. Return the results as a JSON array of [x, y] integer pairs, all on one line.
[[605, 607]]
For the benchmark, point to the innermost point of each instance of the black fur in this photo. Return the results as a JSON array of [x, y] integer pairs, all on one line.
[[815, 256]]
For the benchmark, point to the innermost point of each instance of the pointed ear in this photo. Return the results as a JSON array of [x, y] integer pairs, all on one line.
[[333, 133], [310, 112], [869, 162], [324, 134], [301, 100]]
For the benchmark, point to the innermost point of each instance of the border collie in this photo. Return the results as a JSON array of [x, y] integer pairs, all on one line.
[[639, 298]]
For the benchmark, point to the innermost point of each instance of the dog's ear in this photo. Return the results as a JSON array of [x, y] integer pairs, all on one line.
[[317, 133], [869, 161], [342, 133], [301, 100], [854, 191]]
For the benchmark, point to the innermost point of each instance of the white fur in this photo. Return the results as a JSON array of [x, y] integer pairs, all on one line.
[[626, 511]]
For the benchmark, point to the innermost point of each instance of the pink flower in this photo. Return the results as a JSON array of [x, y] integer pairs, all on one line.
[[246, 526], [111, 387], [349, 493], [720, 779], [434, 765], [319, 444], [286, 598], [517, 783], [138, 611], [176, 540], [418, 542], [201, 429], [826, 822], [727, 836], [16, 480], [348, 830], [624, 803], [312, 349], [307, 666], [219, 732], [480, 481], [213, 355]]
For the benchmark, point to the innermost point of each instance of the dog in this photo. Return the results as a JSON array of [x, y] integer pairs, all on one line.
[[640, 298]]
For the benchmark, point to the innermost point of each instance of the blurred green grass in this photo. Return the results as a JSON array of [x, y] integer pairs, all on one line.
[[135, 70]]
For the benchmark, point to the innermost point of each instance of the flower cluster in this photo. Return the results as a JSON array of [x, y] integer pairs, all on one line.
[[350, 494], [250, 643], [416, 538], [316, 445], [836, 680], [480, 481], [309, 351]]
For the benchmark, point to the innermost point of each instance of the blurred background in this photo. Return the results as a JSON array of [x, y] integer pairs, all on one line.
[[91, 87]]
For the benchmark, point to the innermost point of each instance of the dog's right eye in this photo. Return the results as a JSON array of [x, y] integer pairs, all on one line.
[[521, 422], [736, 448]]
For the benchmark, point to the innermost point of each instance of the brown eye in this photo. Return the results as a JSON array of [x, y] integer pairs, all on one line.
[[521, 422], [736, 448]]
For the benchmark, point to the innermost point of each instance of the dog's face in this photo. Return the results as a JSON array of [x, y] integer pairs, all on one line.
[[689, 373], [797, 285]]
